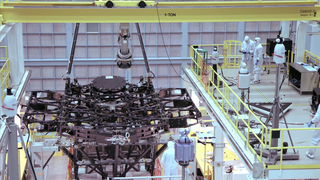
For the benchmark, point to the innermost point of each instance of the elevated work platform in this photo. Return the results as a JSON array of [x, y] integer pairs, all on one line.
[[303, 168]]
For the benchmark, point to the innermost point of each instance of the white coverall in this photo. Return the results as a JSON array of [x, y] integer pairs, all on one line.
[[247, 46], [257, 59], [316, 136], [169, 163]]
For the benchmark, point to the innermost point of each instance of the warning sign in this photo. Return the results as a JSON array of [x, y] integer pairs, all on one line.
[[308, 12]]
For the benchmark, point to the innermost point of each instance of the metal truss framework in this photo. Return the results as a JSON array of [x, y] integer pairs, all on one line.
[[111, 122], [155, 12]]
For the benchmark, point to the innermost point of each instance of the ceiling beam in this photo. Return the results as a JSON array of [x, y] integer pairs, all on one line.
[[155, 15]]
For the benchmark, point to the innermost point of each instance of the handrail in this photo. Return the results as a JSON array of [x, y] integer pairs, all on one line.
[[281, 148], [222, 97], [5, 72], [311, 58], [222, 100]]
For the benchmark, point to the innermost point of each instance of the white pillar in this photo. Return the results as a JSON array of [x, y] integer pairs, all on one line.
[[315, 42], [218, 152], [300, 40], [15, 52], [285, 29]]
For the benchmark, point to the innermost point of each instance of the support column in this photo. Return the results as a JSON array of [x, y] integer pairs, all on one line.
[[16, 55], [315, 42], [241, 28], [13, 166], [300, 40], [184, 39], [285, 29], [218, 157]]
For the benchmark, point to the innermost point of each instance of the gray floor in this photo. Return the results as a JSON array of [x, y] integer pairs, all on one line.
[[299, 112]]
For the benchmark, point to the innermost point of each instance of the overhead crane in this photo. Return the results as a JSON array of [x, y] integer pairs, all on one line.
[[153, 11]]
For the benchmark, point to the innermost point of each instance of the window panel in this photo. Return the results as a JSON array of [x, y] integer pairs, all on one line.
[[93, 39], [162, 70], [219, 26], [59, 27], [32, 27], [175, 27], [275, 26], [81, 40], [45, 27], [174, 82], [118, 72], [151, 39], [116, 27], [137, 53], [194, 38], [60, 85], [33, 40], [175, 70], [92, 27], [137, 70], [60, 71], [93, 52], [60, 52], [106, 39], [263, 26], [106, 70], [33, 53], [106, 52], [47, 72], [59, 40], [83, 81], [46, 53], [80, 52], [162, 83], [175, 39], [162, 51], [36, 73], [250, 26], [175, 51], [164, 27], [206, 38], [151, 51], [48, 84], [218, 38], [232, 26], [194, 27], [82, 27], [93, 71], [207, 27], [46, 40], [35, 84], [80, 71], [105, 27], [163, 38]]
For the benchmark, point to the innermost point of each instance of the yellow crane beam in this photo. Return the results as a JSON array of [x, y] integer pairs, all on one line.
[[11, 14], [164, 4]]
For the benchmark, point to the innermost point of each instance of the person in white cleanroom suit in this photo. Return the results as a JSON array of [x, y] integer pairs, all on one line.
[[169, 163], [248, 48], [316, 136], [257, 59]]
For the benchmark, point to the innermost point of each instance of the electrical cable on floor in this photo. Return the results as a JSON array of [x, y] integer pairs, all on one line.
[[232, 83]]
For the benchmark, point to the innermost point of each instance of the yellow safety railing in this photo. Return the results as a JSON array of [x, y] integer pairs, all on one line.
[[311, 58], [205, 74], [281, 148], [5, 70], [223, 95]]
